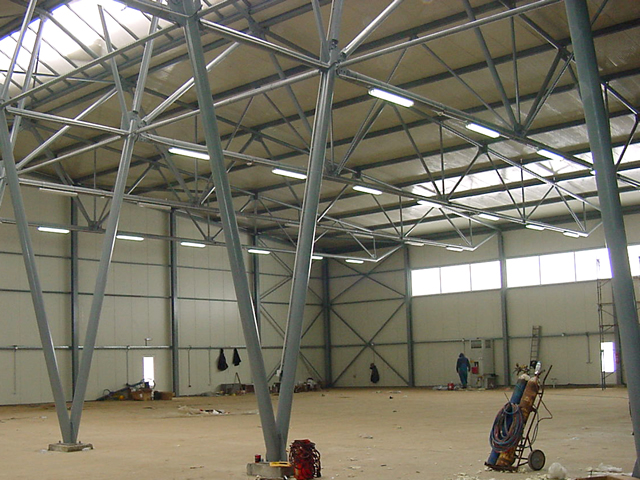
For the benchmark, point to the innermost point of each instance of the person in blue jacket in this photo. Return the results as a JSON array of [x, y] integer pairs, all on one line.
[[462, 367]]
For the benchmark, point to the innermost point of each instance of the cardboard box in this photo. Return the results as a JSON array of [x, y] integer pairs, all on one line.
[[144, 394]]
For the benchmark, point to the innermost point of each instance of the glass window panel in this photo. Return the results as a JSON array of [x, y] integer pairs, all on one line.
[[592, 264], [634, 259], [523, 271], [425, 281], [557, 268], [456, 278], [485, 276]]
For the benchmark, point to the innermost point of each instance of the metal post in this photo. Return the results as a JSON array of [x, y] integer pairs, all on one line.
[[230, 226], [506, 357], [101, 283], [600, 141], [11, 176], [174, 313], [75, 308], [326, 310], [304, 249], [408, 307]]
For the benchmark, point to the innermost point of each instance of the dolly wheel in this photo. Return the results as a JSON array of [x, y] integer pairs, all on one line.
[[536, 460]]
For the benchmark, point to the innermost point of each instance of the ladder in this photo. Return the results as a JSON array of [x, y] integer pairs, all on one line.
[[535, 344]]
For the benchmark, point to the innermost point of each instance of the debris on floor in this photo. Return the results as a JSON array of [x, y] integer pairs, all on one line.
[[602, 468], [200, 411], [557, 471]]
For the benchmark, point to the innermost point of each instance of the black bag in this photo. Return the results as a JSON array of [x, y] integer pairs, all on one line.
[[375, 375], [222, 361], [236, 357]]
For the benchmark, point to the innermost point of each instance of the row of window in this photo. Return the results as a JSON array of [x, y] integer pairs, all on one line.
[[521, 272]]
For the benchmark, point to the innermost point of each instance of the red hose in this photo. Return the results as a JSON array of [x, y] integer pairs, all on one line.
[[305, 460]]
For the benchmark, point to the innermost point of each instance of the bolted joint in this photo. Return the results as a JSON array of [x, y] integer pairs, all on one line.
[[185, 7]]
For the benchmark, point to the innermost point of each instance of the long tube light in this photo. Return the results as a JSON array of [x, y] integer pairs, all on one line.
[[354, 260], [363, 189], [53, 230], [391, 97], [258, 251], [189, 153], [66, 193], [489, 217], [133, 238], [533, 226], [413, 243], [455, 249], [193, 244], [316, 257], [289, 173], [487, 132]]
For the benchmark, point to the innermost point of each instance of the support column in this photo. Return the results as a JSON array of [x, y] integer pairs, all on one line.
[[408, 306], [75, 307], [230, 225], [11, 177], [173, 299], [600, 141], [506, 357], [306, 236], [326, 315]]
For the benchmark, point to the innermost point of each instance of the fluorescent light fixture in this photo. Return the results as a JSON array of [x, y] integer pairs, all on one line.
[[193, 244], [455, 249], [548, 154], [59, 192], [571, 234], [289, 173], [53, 230], [390, 97], [354, 260], [414, 243], [593, 172], [427, 203], [189, 153], [487, 216], [154, 205], [316, 257], [258, 251], [487, 132], [133, 238], [370, 190], [533, 226]]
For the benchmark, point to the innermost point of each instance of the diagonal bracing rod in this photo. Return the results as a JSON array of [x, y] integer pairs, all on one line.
[[304, 249], [599, 133], [230, 225], [11, 175]]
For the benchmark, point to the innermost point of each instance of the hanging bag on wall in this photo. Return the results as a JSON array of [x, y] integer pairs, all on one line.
[[236, 357], [375, 375], [222, 361]]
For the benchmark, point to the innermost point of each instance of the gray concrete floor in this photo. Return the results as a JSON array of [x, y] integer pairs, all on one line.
[[361, 433]]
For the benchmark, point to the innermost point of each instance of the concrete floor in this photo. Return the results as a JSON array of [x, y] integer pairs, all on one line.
[[360, 433]]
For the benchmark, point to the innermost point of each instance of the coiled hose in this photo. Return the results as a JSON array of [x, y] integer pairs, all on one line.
[[305, 460], [507, 428]]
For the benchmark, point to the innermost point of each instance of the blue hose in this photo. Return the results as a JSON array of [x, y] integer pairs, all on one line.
[[507, 428]]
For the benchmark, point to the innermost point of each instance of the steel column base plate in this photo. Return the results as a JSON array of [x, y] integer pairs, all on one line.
[[69, 447], [270, 470]]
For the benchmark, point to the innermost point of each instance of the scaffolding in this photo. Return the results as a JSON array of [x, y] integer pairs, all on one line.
[[607, 324]]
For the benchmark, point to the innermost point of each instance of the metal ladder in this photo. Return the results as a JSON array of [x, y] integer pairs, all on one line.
[[535, 344]]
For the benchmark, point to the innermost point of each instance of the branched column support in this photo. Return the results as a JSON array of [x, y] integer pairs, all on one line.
[[230, 225], [302, 266], [11, 176], [600, 140]]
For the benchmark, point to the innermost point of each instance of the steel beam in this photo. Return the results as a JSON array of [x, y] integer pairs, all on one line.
[[75, 296], [304, 249], [326, 312], [408, 305], [599, 133], [173, 300], [506, 357], [369, 29], [11, 176], [230, 225]]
